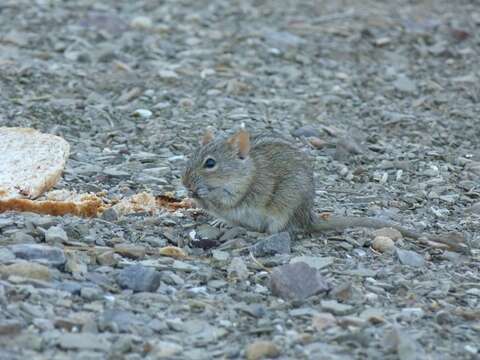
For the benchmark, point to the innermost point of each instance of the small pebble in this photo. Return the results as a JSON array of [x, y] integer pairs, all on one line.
[[142, 113], [141, 22]]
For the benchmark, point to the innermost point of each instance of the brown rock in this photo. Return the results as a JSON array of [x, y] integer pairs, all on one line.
[[391, 233], [28, 270], [383, 244], [261, 349], [130, 251]]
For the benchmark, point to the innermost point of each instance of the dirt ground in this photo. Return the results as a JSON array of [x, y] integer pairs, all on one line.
[[383, 95]]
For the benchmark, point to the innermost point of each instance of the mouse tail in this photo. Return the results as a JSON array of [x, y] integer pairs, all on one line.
[[325, 223]]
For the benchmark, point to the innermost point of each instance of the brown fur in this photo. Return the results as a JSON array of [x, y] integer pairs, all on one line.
[[263, 184]]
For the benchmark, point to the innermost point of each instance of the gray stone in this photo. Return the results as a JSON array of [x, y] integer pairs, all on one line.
[[117, 320], [306, 131], [43, 254], [6, 255], [116, 173], [42, 221], [220, 255], [170, 278], [183, 266], [4, 222], [83, 341], [407, 348], [165, 350], [316, 262], [139, 278], [297, 281], [272, 245], [73, 288], [232, 233], [237, 269], [336, 308], [410, 258], [56, 235], [110, 214], [21, 237], [282, 39], [91, 293], [209, 232], [405, 84]]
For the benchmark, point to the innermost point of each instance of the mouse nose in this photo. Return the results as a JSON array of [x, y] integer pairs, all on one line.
[[189, 185]]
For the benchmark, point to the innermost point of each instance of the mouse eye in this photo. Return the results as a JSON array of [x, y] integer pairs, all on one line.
[[209, 163]]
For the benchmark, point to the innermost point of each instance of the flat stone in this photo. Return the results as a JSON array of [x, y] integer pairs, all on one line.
[[118, 319], [83, 341], [43, 254], [27, 269], [405, 85], [130, 251], [166, 350], [282, 39], [21, 237], [139, 278], [220, 255], [91, 293], [183, 266], [297, 281], [116, 173], [307, 131], [274, 244], [200, 331], [316, 262], [336, 308], [6, 255], [410, 258]]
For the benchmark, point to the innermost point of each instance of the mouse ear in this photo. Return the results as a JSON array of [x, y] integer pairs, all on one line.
[[241, 142], [207, 136]]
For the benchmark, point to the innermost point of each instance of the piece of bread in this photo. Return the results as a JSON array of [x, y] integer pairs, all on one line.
[[30, 162]]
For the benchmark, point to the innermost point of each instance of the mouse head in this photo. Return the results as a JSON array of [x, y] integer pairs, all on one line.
[[219, 173]]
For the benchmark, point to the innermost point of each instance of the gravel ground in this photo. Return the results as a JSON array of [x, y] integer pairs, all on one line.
[[385, 98]]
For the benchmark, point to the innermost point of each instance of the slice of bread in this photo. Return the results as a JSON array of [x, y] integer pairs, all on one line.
[[30, 162]]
